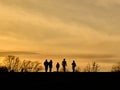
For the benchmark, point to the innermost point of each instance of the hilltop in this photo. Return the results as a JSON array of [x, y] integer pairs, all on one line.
[[60, 79]]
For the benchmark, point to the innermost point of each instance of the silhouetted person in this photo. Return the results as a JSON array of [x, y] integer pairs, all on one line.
[[50, 65], [73, 66], [57, 66], [64, 64], [46, 63]]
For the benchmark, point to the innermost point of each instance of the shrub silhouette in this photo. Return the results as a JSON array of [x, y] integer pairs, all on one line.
[[116, 67], [78, 69], [3, 69], [93, 67]]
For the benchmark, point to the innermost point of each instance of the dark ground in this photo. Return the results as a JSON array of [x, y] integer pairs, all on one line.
[[60, 80]]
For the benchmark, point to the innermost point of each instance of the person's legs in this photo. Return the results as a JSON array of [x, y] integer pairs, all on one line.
[[73, 69], [64, 69], [50, 69], [45, 69]]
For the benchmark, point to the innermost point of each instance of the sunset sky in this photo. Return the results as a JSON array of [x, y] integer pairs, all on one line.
[[60, 26]]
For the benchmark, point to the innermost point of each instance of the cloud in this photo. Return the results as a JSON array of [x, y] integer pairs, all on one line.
[[107, 2], [86, 12], [59, 26]]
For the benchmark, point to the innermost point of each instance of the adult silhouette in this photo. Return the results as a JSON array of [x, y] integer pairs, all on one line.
[[73, 65], [64, 64], [50, 65], [46, 63], [57, 66]]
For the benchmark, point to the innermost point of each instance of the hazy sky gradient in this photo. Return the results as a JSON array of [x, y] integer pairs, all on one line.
[[60, 26]]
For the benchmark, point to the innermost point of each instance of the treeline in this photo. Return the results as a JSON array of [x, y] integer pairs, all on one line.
[[14, 64]]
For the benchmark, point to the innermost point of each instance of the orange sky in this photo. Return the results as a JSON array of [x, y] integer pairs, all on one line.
[[60, 26]]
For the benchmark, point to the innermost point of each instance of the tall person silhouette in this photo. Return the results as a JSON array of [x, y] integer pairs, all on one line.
[[46, 63], [57, 66], [64, 64], [50, 65], [73, 66]]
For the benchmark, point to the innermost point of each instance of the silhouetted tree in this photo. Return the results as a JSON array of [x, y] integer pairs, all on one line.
[[25, 66], [93, 67], [36, 67], [116, 67], [29, 66], [14, 64]]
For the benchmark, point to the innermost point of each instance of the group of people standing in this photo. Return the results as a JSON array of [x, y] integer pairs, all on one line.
[[49, 65]]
